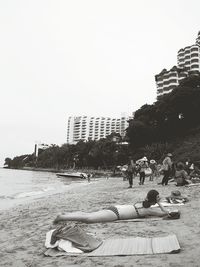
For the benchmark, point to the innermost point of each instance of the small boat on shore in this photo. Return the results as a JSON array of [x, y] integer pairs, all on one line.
[[80, 175]]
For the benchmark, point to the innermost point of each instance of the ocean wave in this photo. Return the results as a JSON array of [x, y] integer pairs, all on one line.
[[3, 197], [6, 197], [33, 193]]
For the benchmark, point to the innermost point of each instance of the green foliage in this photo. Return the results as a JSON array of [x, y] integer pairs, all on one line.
[[104, 153], [19, 162], [7, 162], [170, 117]]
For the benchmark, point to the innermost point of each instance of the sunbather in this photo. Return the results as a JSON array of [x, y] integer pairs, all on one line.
[[119, 212], [181, 176]]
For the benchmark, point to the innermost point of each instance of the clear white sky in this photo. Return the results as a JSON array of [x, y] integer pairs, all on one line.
[[82, 57]]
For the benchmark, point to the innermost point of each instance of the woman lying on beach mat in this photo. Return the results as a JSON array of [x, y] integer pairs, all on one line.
[[141, 209]]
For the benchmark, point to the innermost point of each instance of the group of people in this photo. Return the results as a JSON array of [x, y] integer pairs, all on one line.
[[180, 172], [143, 168]]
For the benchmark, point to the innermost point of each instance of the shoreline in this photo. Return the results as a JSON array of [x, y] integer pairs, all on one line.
[[97, 173], [27, 224], [31, 197]]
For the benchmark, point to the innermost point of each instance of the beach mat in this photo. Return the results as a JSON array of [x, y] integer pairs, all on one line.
[[166, 204], [148, 219], [129, 246], [190, 185], [137, 246]]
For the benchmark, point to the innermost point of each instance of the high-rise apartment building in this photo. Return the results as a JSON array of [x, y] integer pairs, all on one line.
[[94, 128], [167, 80], [188, 63]]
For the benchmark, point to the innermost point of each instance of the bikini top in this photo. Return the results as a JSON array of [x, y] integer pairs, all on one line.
[[138, 206]]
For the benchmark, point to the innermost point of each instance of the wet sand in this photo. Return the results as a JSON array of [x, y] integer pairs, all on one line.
[[23, 229]]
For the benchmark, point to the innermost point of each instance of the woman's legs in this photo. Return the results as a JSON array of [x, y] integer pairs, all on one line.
[[142, 178], [165, 177], [88, 217], [152, 175], [130, 179]]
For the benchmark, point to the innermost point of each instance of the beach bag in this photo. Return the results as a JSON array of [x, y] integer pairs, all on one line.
[[172, 215], [165, 167], [148, 171]]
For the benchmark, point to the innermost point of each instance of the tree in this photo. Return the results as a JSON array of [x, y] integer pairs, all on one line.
[[7, 162], [171, 116]]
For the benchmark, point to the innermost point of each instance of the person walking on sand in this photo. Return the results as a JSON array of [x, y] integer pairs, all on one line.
[[141, 209], [143, 166], [130, 171], [152, 166], [167, 166]]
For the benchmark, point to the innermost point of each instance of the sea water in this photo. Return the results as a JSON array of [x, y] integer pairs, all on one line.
[[21, 186]]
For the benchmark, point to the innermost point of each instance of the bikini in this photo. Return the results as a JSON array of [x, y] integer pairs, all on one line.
[[116, 211]]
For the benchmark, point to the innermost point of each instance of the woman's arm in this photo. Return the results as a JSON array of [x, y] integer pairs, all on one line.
[[163, 209], [153, 211]]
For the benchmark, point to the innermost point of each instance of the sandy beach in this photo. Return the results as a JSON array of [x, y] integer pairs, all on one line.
[[23, 229]]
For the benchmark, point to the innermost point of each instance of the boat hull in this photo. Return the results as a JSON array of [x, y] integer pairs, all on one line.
[[71, 175]]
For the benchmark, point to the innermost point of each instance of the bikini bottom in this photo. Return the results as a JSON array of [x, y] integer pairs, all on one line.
[[113, 209]]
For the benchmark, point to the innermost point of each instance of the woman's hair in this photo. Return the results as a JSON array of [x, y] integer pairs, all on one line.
[[151, 198], [146, 204]]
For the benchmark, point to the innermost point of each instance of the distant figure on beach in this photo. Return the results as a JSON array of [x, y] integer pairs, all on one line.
[[143, 166], [153, 166], [141, 209], [167, 167], [89, 176], [195, 172], [130, 172], [123, 170], [181, 176]]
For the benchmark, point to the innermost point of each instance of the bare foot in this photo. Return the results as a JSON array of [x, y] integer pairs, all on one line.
[[57, 220]]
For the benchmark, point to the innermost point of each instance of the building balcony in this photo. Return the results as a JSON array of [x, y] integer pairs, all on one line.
[[194, 54], [194, 49], [195, 67]]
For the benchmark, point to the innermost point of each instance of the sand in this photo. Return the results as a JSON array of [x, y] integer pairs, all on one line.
[[23, 229]]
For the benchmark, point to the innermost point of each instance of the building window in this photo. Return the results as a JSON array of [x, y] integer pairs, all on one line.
[[195, 66], [194, 55], [194, 60], [194, 49]]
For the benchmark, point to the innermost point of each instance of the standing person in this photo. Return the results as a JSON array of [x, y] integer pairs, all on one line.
[[89, 176], [130, 171], [143, 167], [152, 165], [137, 169], [167, 166]]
